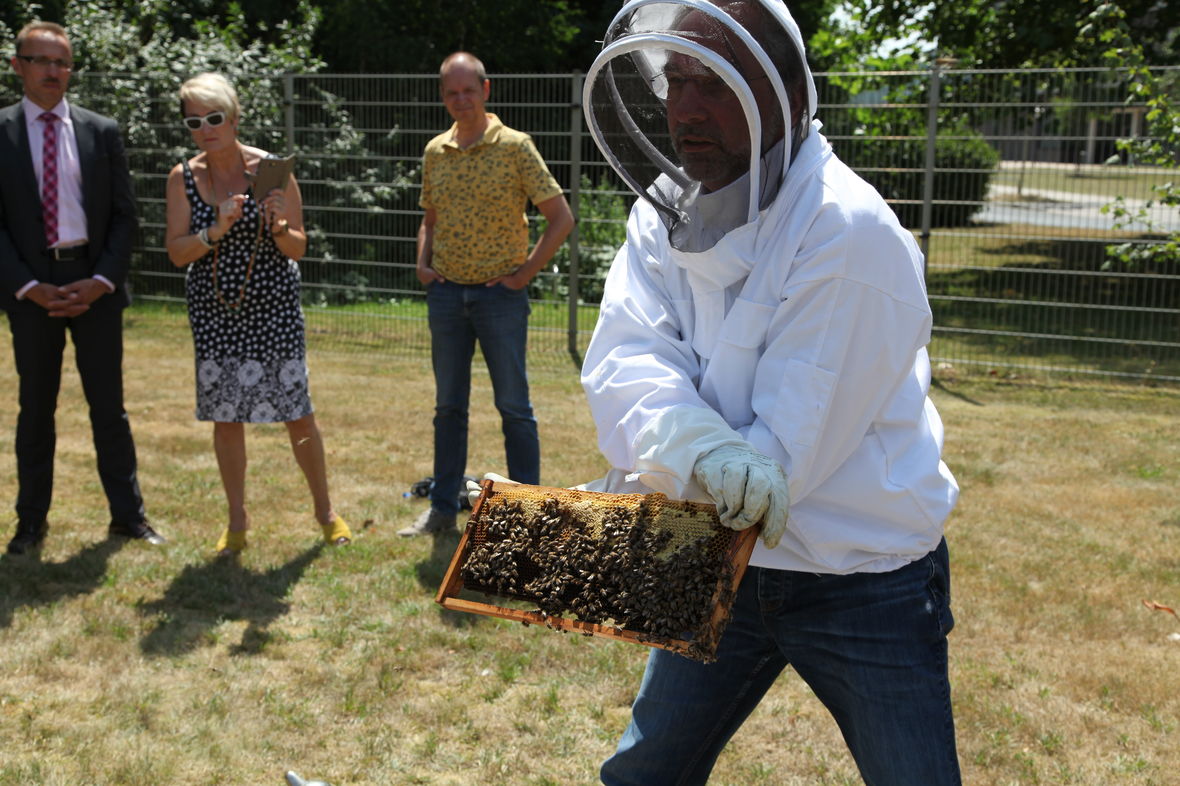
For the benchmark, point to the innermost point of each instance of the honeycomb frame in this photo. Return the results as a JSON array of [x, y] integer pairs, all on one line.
[[660, 533]]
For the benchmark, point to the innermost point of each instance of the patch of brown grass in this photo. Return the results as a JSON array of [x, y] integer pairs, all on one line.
[[134, 665]]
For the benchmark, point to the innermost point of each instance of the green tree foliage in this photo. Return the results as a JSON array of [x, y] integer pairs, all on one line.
[[401, 36], [138, 60], [413, 36], [602, 216], [1108, 32], [860, 39], [1006, 33], [510, 36], [886, 142], [132, 58]]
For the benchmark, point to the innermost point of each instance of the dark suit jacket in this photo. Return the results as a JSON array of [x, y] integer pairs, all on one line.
[[107, 197]]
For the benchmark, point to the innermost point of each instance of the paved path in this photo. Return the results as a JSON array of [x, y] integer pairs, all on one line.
[[1066, 209]]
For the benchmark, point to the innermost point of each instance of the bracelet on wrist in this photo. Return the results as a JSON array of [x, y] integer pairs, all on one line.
[[203, 236], [280, 228]]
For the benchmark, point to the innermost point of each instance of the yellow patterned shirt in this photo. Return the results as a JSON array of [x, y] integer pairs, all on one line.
[[479, 196]]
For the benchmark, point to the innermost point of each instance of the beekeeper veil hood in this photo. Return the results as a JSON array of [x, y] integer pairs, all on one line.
[[699, 106]]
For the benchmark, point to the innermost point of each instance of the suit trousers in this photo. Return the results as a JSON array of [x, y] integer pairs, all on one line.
[[38, 342]]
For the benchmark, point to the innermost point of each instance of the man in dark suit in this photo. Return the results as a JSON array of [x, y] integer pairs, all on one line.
[[67, 216]]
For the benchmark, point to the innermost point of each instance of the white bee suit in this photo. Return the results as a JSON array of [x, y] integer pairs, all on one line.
[[805, 330]]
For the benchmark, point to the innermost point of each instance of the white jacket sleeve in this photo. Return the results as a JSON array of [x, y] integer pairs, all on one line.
[[639, 376]]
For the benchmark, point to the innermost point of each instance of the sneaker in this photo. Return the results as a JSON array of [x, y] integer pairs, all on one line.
[[136, 530], [295, 780], [430, 522]]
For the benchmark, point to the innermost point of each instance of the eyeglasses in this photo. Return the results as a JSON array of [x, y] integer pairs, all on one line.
[[670, 85], [213, 120], [44, 61]]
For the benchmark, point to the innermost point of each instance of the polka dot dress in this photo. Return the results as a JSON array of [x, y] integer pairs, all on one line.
[[250, 347]]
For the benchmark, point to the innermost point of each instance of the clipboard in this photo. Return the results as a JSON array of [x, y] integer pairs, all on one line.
[[273, 172]]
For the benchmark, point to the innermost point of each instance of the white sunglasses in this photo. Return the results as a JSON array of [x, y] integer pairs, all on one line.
[[213, 119]]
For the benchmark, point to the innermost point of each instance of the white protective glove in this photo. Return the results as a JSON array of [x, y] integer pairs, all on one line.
[[747, 487], [474, 489]]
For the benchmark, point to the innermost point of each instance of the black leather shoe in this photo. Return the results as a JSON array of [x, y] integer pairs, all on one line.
[[139, 530], [28, 537]]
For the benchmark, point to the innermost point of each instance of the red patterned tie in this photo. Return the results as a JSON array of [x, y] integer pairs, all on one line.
[[49, 178]]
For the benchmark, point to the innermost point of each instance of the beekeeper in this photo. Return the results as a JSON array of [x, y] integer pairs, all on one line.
[[761, 345]]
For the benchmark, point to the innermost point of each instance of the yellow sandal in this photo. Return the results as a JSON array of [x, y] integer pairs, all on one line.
[[337, 533], [231, 542]]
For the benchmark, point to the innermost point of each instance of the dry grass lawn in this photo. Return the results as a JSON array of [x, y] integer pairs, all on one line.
[[125, 664]]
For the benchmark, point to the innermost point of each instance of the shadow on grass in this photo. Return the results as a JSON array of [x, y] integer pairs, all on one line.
[[433, 569], [27, 581], [935, 382], [203, 596]]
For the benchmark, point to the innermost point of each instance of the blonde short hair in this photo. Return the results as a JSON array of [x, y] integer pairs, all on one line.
[[211, 90], [32, 28]]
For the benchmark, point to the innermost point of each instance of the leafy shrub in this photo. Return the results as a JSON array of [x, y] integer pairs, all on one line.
[[132, 59], [1106, 30], [602, 218], [963, 166]]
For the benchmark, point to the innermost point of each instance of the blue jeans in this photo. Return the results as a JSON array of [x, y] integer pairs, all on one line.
[[498, 317], [872, 646]]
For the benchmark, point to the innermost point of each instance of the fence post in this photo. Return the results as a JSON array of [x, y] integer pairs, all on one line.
[[575, 205], [928, 179], [289, 110]]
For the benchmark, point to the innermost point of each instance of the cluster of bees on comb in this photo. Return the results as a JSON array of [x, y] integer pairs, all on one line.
[[623, 572]]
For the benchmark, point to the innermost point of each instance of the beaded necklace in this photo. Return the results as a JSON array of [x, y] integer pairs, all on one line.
[[217, 246]]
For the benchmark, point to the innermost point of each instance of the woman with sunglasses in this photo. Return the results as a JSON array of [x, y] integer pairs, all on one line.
[[242, 289]]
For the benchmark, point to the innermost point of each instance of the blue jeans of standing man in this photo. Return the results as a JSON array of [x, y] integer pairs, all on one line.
[[872, 647], [497, 317]]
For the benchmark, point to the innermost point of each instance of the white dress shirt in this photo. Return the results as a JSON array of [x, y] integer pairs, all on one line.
[[71, 213]]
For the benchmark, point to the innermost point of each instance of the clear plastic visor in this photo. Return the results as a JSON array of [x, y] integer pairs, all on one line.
[[691, 119]]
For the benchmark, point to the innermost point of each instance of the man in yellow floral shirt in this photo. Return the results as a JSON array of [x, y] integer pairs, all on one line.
[[474, 260]]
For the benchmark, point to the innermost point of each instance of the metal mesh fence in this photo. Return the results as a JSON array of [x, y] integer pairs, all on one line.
[[1027, 283], [1003, 176]]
